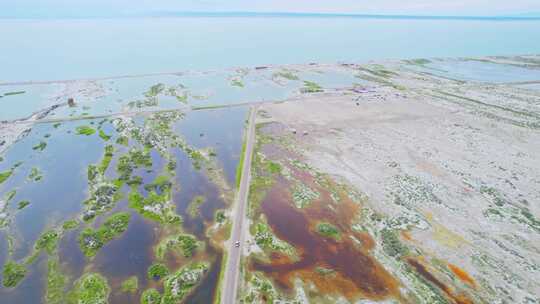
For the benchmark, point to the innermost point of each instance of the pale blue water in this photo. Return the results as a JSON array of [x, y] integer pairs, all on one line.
[[58, 195], [207, 88], [472, 70], [535, 86], [34, 97], [65, 49]]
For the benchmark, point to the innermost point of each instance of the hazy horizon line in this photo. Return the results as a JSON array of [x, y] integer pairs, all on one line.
[[157, 14]]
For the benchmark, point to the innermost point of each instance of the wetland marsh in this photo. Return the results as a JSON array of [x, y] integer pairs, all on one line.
[[405, 181]]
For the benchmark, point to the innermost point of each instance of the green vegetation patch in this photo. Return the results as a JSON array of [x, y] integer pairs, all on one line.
[[179, 284], [410, 190], [420, 61], [237, 83], [501, 208], [40, 147], [185, 243], [155, 90], [261, 287], [5, 175], [70, 224], [85, 130], [104, 136], [328, 230], [196, 157], [262, 177], [161, 184], [157, 205], [287, 74], [303, 196], [193, 209], [240, 165], [91, 288], [494, 195], [150, 102], [14, 93], [22, 204], [379, 71], [134, 159], [124, 168], [274, 168], [130, 285], [220, 216], [13, 274], [182, 98], [102, 199], [91, 241], [157, 271], [531, 220], [265, 238], [392, 245], [35, 175], [56, 282], [324, 271], [171, 166], [311, 87], [123, 140], [47, 241], [103, 192], [10, 195], [105, 162], [151, 296]]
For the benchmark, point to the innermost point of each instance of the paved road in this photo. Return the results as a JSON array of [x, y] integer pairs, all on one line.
[[232, 270]]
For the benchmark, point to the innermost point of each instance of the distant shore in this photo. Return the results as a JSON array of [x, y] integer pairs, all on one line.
[[232, 14]]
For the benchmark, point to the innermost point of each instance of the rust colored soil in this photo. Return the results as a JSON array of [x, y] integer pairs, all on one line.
[[421, 269], [462, 275], [354, 273]]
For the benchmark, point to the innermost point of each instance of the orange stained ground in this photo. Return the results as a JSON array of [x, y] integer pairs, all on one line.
[[462, 275], [355, 273], [422, 270]]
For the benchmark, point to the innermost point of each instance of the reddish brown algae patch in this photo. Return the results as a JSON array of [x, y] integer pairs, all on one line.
[[422, 270], [462, 275], [354, 273]]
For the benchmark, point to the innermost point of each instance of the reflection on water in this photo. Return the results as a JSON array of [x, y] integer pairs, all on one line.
[[60, 194]]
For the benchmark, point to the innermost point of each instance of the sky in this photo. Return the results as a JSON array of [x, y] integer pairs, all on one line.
[[58, 8]]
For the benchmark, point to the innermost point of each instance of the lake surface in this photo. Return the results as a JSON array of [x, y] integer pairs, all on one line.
[[206, 51], [198, 89], [63, 166], [66, 49], [475, 70]]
